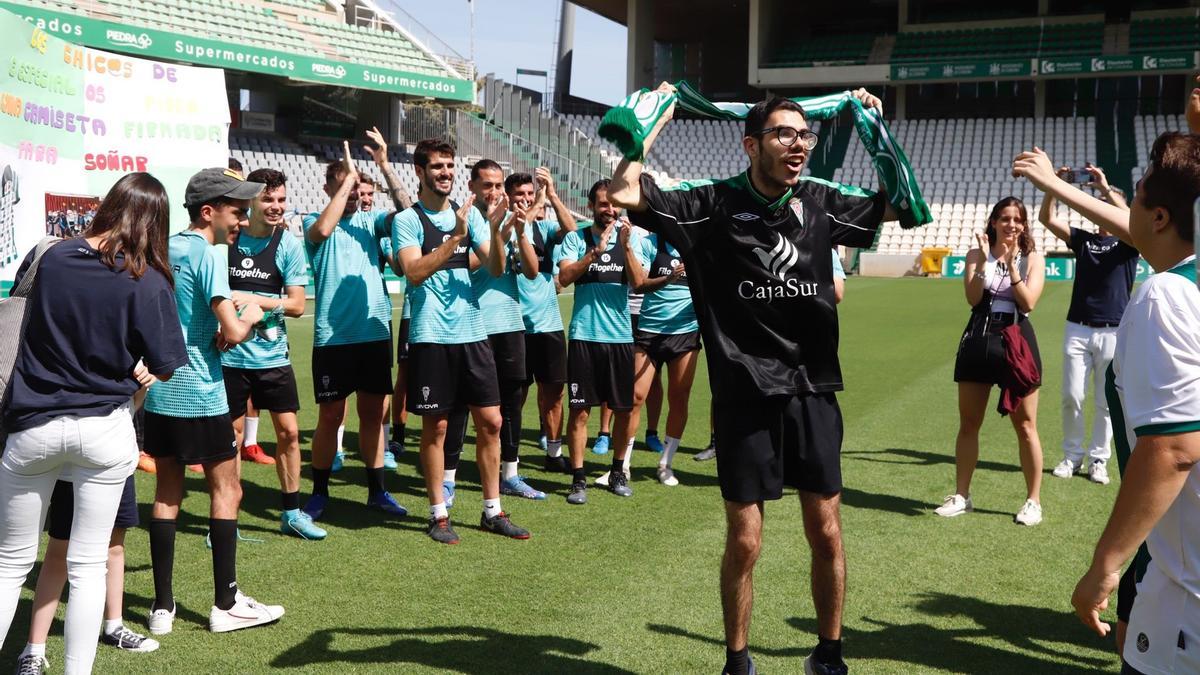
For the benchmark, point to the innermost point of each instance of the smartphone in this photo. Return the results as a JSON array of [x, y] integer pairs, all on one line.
[[1081, 176]]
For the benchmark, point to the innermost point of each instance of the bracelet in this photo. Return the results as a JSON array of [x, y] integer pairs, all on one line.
[[1014, 283]]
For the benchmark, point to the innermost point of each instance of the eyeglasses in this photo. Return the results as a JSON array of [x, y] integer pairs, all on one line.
[[787, 136]]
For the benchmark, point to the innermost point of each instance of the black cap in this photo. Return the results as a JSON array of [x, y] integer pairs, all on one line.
[[218, 182]]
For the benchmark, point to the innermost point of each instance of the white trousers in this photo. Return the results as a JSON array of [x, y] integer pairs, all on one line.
[[99, 453], [1086, 352]]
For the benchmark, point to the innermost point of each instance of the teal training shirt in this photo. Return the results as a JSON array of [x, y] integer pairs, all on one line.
[[353, 306], [668, 310], [601, 310], [201, 276], [444, 307], [539, 297], [499, 300], [257, 353], [385, 245]]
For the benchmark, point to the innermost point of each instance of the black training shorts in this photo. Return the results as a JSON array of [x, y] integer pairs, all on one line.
[[508, 351], [600, 372], [546, 358], [402, 341], [341, 370], [444, 378], [662, 348], [766, 443], [272, 389], [190, 440], [62, 509]]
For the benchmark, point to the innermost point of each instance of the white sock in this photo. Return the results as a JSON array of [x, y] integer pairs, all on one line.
[[32, 649], [387, 433], [508, 469], [448, 475], [554, 448], [669, 449], [491, 507], [111, 625], [250, 431], [628, 455], [438, 511], [341, 433]]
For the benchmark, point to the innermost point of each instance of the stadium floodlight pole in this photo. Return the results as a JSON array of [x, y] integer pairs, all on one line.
[[471, 7]]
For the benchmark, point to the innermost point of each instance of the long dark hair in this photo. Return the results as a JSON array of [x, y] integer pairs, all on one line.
[[134, 220], [1024, 240]]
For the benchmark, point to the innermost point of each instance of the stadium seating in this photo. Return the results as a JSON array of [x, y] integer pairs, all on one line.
[[369, 46], [1146, 128], [1174, 33], [241, 22], [843, 49], [979, 43]]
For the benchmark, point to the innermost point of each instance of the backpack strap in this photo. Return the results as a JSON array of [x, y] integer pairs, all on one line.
[[23, 289]]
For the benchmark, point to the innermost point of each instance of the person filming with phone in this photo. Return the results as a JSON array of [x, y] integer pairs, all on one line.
[[1105, 266]]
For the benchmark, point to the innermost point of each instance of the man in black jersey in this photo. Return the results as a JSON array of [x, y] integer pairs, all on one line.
[[756, 247]]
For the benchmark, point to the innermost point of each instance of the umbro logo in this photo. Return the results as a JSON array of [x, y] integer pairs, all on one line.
[[745, 217]]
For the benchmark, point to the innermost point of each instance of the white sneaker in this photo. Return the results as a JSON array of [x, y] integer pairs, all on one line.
[[161, 620], [1098, 473], [245, 613], [667, 477], [1065, 469], [603, 480], [955, 505], [1030, 514]]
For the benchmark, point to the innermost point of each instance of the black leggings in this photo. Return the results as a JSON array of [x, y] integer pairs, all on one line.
[[512, 398]]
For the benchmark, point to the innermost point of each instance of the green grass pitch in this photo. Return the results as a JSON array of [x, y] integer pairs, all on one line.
[[630, 586]]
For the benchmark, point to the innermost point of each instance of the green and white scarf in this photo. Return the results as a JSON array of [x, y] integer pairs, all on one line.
[[627, 125]]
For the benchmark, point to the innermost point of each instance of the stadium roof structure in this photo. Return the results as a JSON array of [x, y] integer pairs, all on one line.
[[303, 41]]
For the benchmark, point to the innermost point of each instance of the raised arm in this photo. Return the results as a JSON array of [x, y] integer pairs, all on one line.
[[635, 273], [625, 191], [378, 150], [974, 278], [528, 257], [328, 220], [417, 268], [1107, 192], [1048, 216], [492, 251], [1036, 166], [566, 220], [1027, 290]]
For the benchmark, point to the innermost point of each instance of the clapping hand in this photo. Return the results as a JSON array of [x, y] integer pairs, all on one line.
[[461, 216], [348, 160], [981, 241], [378, 146]]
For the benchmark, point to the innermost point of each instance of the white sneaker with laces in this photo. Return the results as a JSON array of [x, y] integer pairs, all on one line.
[[1098, 473], [1065, 469], [667, 477], [245, 613], [955, 505], [161, 620], [1030, 514]]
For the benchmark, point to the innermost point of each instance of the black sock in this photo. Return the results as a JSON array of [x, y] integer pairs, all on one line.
[[291, 501], [375, 481], [398, 433], [828, 651], [162, 560], [223, 533], [652, 432], [737, 663], [712, 438], [510, 416], [579, 475], [605, 433], [321, 481]]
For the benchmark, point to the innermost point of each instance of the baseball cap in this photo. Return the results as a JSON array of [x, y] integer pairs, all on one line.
[[210, 184]]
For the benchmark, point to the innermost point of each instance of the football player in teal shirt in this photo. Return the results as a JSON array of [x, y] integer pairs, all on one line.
[[450, 361]]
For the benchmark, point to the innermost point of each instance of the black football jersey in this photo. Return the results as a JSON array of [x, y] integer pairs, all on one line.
[[761, 276]]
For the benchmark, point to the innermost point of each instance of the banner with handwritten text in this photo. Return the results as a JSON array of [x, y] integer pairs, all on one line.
[[74, 119]]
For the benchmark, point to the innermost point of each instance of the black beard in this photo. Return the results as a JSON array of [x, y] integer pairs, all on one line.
[[432, 187]]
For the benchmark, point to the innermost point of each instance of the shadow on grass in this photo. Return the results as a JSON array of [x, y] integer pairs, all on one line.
[[1004, 639], [899, 505], [460, 649], [911, 457]]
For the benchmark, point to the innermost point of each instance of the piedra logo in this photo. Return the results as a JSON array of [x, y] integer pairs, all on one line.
[[329, 70], [123, 38]]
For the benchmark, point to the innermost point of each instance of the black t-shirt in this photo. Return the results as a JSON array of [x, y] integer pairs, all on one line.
[[762, 278], [87, 327], [1104, 271]]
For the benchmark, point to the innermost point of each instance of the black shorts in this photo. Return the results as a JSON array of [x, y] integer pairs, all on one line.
[[341, 370], [445, 378], [272, 389], [190, 440], [62, 509], [633, 322], [546, 358], [600, 372], [402, 341], [766, 443], [663, 348], [990, 368], [508, 351]]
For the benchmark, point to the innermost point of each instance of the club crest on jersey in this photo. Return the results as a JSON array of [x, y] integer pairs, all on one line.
[[798, 209], [778, 262]]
